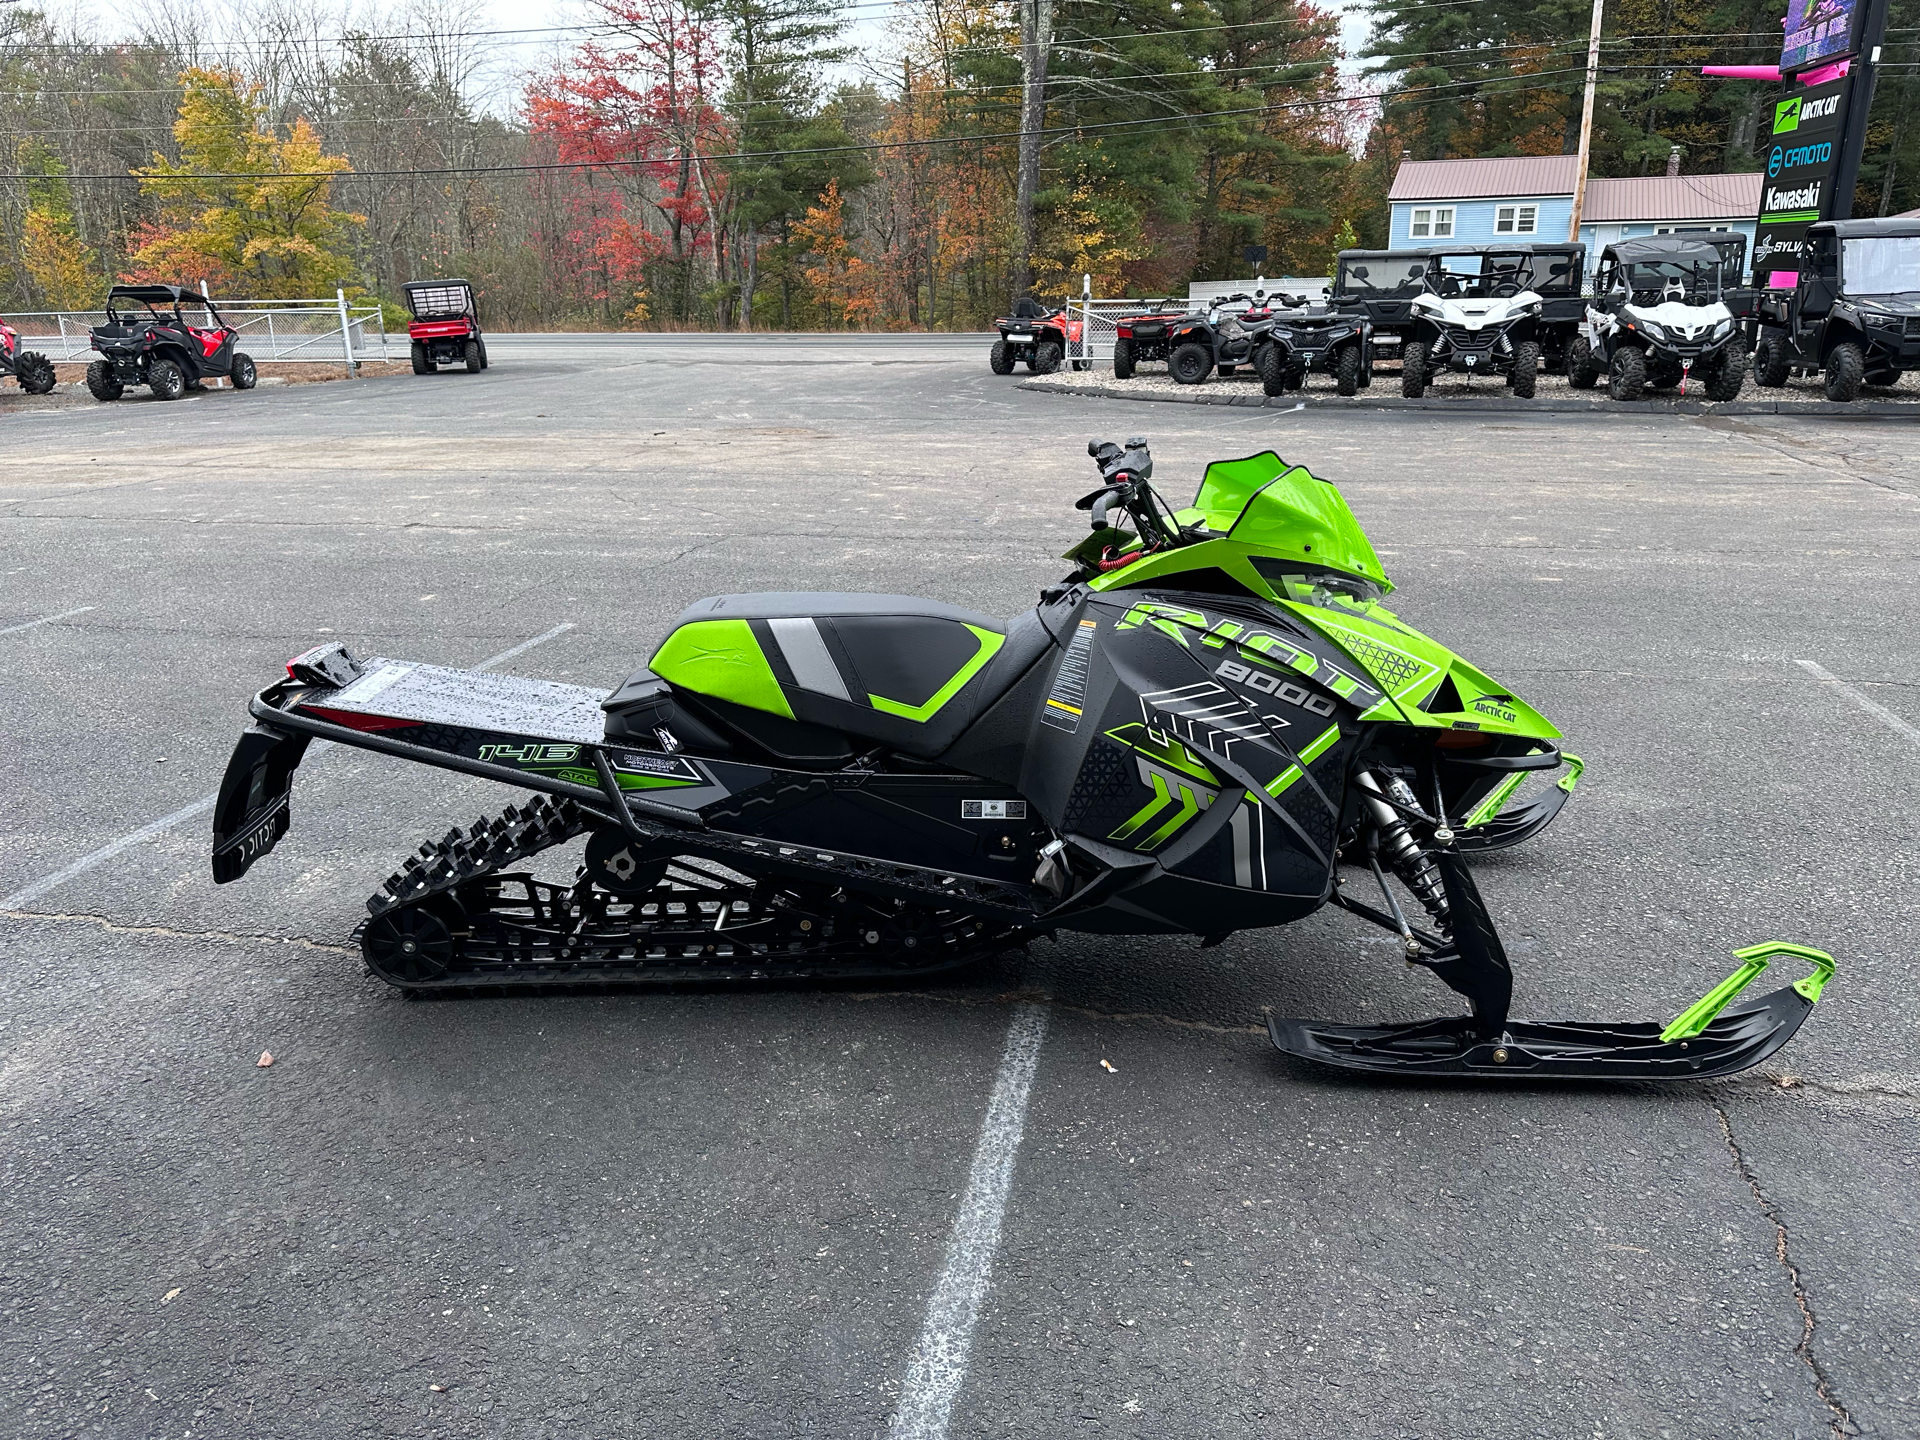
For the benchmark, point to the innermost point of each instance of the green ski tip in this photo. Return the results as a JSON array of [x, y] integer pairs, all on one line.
[[1697, 1016]]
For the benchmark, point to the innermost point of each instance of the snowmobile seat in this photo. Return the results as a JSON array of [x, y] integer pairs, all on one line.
[[819, 677]]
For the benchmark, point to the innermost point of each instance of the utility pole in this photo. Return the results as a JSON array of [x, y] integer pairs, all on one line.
[[1036, 42], [1586, 126]]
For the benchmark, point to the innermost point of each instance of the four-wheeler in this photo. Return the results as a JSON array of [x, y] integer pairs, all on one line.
[[446, 327], [1037, 335], [1140, 339], [1479, 315], [147, 340], [1380, 285], [1855, 313], [1223, 337], [1658, 314], [1212, 724], [1304, 337], [32, 369]]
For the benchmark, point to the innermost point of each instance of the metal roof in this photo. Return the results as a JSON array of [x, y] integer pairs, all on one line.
[[1673, 197], [1507, 175], [1659, 198]]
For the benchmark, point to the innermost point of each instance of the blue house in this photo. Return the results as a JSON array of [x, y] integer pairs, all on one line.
[[1530, 197]]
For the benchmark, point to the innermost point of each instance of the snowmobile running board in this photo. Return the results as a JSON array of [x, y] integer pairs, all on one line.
[[1703, 1041]]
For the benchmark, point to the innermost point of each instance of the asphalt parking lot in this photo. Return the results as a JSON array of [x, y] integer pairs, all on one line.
[[732, 1214]]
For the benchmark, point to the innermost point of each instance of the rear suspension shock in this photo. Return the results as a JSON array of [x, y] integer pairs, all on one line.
[[1412, 864]]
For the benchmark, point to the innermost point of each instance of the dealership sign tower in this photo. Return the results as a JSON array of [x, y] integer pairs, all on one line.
[[1832, 48]]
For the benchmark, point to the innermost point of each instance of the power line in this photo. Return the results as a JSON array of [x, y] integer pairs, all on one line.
[[994, 138]]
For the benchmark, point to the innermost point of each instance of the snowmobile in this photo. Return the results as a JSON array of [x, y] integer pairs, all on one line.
[[1212, 724], [32, 369]]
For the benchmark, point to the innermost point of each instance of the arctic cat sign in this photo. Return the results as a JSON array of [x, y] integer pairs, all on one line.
[[1800, 156]]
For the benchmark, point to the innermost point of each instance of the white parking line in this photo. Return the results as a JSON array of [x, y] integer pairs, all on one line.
[[45, 620], [28, 894], [1872, 707], [939, 1362]]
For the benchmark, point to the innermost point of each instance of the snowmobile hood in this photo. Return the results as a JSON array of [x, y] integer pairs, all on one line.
[[1686, 321], [1288, 537], [1476, 314]]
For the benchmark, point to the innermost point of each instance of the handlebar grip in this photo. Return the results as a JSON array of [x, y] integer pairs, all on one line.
[[1101, 506]]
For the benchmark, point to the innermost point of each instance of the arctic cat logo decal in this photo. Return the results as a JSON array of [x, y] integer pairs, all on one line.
[[538, 754], [1490, 706], [1273, 685]]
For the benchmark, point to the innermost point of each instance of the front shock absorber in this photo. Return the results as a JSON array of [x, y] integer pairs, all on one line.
[[1407, 860]]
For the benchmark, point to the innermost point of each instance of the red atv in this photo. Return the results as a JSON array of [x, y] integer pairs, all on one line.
[[32, 369], [148, 341], [1036, 335], [445, 328]]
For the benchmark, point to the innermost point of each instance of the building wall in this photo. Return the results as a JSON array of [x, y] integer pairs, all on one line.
[[1473, 220]]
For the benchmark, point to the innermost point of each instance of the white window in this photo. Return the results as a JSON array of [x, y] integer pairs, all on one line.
[[1683, 229], [1432, 223], [1516, 219]]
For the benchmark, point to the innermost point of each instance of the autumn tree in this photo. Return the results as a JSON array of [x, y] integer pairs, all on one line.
[[641, 117], [224, 216], [841, 281], [61, 269]]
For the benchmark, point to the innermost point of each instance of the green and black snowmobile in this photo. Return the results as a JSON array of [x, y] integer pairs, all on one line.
[[1212, 725]]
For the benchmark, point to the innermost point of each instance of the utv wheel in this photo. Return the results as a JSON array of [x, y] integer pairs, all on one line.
[[166, 380], [1526, 369], [1770, 363], [1627, 376], [1272, 370], [1346, 370], [35, 372], [245, 374], [421, 364], [484, 362], [1729, 372], [1846, 367], [104, 384], [1190, 364], [470, 352], [1583, 372], [998, 360], [1413, 369], [1046, 358], [1123, 359]]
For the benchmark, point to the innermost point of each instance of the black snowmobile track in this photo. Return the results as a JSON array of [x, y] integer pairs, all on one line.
[[453, 919]]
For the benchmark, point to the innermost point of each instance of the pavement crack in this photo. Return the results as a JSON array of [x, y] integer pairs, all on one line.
[[1841, 1422], [168, 932]]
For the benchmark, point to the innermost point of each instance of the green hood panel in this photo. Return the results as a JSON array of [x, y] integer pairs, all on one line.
[[1286, 513]]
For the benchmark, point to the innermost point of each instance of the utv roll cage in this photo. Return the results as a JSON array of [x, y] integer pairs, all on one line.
[[168, 297], [1656, 268]]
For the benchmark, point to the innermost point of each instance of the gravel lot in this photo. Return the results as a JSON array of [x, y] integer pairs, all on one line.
[[1154, 380], [727, 1213]]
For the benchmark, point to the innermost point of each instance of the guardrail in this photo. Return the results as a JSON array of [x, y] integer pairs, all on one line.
[[316, 332]]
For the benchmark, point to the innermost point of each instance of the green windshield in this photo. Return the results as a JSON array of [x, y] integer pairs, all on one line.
[[1283, 511]]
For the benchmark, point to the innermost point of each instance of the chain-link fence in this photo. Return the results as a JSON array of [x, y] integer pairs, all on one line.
[[1099, 317], [320, 332]]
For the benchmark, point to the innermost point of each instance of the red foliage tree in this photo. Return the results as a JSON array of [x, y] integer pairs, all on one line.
[[639, 112]]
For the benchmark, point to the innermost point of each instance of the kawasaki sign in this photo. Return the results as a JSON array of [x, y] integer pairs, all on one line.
[[1800, 158]]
